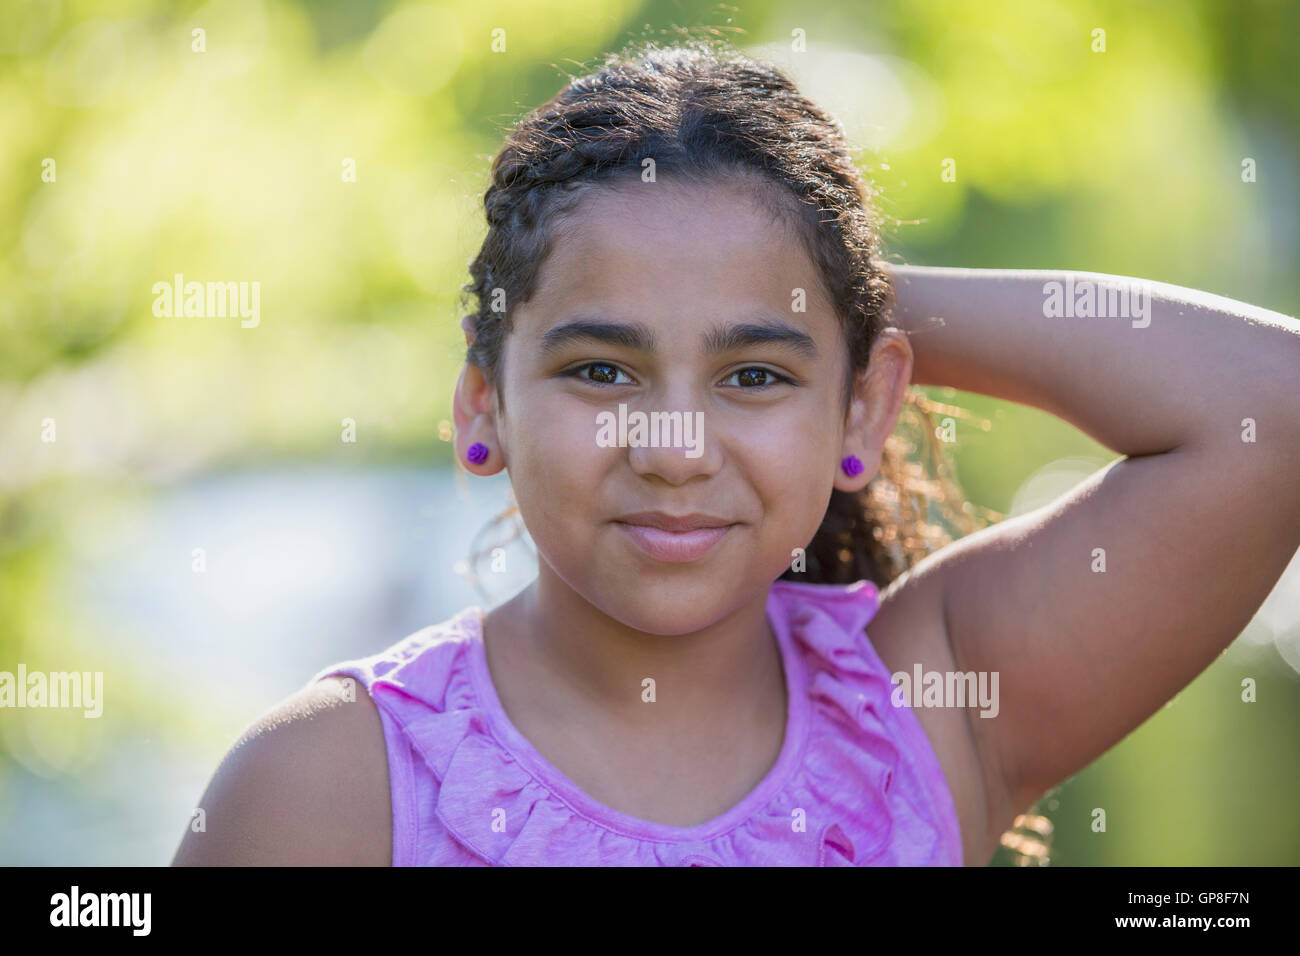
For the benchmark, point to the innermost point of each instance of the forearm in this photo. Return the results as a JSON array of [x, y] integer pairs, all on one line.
[[1193, 366]]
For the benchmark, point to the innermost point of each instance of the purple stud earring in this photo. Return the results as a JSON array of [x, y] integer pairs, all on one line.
[[478, 453], [852, 466]]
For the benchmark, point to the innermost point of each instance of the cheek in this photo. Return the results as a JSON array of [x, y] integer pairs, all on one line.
[[556, 467], [789, 462]]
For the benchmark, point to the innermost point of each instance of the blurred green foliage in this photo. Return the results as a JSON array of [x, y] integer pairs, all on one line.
[[227, 164]]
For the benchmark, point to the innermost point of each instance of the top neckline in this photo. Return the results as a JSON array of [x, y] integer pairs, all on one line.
[[545, 773]]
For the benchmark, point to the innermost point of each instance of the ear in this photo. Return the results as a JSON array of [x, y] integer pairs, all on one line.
[[474, 413], [878, 393]]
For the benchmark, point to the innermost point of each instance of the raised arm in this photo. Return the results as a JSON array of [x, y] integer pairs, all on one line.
[[1096, 609]]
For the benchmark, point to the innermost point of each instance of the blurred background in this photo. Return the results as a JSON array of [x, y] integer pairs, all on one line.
[[181, 508]]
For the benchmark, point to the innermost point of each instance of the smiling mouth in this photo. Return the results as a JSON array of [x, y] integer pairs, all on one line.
[[675, 547]]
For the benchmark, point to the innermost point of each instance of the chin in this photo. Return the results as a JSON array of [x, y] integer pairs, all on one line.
[[682, 603]]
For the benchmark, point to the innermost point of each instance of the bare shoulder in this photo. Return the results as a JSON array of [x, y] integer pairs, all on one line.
[[305, 785], [910, 629]]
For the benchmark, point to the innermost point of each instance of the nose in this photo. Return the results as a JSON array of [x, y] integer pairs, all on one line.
[[675, 446]]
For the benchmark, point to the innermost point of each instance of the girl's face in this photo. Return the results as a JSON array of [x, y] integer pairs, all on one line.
[[689, 301]]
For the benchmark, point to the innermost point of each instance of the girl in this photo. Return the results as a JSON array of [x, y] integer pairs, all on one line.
[[690, 680]]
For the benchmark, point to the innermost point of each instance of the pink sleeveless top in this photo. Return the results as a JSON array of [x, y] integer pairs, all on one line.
[[856, 782]]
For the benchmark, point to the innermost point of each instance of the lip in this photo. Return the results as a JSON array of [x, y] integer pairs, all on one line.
[[674, 546], [675, 539], [666, 522]]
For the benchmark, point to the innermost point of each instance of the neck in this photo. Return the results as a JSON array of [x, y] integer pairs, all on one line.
[[725, 675]]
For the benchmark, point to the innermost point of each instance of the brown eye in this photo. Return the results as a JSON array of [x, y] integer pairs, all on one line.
[[601, 373], [605, 374], [757, 378]]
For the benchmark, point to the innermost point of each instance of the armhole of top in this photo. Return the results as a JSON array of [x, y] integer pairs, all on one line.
[[401, 786], [941, 799], [401, 777]]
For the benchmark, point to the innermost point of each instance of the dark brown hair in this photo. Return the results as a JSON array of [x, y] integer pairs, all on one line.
[[702, 110]]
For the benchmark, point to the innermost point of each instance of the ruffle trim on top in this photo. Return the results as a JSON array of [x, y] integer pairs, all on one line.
[[840, 793], [904, 814]]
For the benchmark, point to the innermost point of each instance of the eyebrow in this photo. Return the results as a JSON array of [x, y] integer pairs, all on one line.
[[720, 338]]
